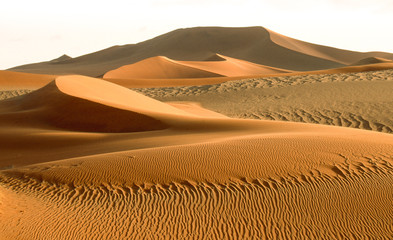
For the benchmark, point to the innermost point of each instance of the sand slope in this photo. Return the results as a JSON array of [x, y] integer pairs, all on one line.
[[333, 54], [199, 175], [81, 104], [164, 68], [371, 60], [254, 44], [14, 80]]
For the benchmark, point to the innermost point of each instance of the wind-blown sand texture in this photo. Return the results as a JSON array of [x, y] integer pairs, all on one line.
[[359, 100], [146, 169], [254, 44]]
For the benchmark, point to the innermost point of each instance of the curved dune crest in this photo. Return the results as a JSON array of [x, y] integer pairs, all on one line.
[[372, 60], [215, 178], [15, 80], [158, 68], [301, 176], [341, 56], [86, 104], [216, 66]]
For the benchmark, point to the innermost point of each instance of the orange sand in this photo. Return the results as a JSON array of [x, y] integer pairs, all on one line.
[[85, 158], [165, 68], [253, 44]]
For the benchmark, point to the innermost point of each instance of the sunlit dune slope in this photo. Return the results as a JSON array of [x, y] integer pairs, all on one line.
[[84, 158], [329, 53], [85, 104], [254, 44], [165, 68], [16, 80], [158, 68]]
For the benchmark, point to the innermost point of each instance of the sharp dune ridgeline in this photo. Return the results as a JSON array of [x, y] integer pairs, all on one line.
[[254, 44], [184, 137]]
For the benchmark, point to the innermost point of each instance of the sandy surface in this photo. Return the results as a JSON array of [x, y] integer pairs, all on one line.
[[165, 68], [359, 100], [178, 141], [85, 158], [254, 44]]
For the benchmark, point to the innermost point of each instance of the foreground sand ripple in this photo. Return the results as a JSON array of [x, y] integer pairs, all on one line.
[[266, 187], [201, 175], [355, 205]]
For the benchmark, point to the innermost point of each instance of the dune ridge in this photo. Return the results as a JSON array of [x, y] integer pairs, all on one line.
[[82, 104], [165, 68], [210, 187], [254, 44], [85, 158], [14, 80]]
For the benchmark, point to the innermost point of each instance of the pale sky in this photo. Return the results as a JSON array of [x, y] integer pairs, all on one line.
[[41, 30]]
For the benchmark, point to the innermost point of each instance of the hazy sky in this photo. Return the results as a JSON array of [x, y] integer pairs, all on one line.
[[40, 30]]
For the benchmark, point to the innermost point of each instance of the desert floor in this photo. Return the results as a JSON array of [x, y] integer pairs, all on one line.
[[86, 158]]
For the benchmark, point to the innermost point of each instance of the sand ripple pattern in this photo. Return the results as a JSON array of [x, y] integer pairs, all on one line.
[[350, 205], [268, 82], [357, 100]]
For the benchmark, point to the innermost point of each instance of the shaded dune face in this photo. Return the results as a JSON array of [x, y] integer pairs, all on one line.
[[253, 44], [50, 107], [16, 80], [216, 66], [268, 186], [159, 68], [203, 176], [372, 60]]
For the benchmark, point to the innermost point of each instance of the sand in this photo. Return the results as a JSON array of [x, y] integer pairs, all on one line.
[[165, 68], [85, 158], [14, 80], [254, 44], [201, 133]]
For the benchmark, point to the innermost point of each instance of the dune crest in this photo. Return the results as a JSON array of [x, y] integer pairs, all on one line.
[[164, 68], [86, 104], [372, 60], [14, 80], [254, 44], [85, 158]]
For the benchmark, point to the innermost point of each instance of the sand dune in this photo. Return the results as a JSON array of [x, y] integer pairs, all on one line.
[[158, 68], [84, 158], [372, 60], [333, 54], [81, 104], [165, 68], [14, 80], [253, 44]]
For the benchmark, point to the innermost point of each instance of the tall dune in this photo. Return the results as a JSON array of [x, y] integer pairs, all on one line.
[[253, 44], [196, 176]]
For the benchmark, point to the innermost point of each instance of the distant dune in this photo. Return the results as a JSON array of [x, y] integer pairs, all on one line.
[[14, 80], [165, 68], [146, 169], [253, 44], [372, 60], [200, 133]]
